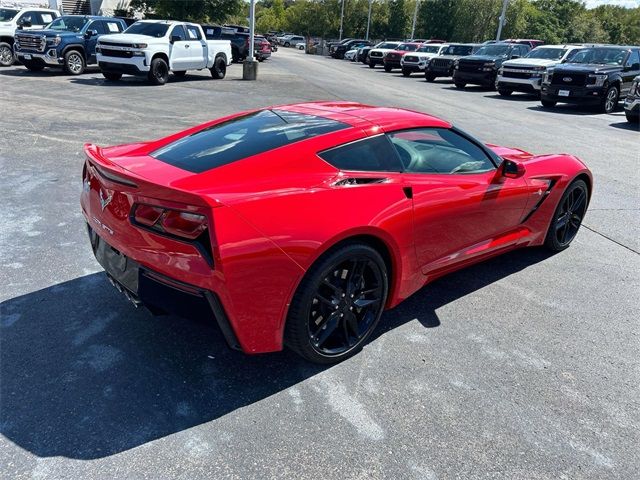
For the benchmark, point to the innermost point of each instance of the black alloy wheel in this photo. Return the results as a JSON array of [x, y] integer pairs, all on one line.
[[610, 99], [568, 216], [338, 304], [219, 69], [159, 72]]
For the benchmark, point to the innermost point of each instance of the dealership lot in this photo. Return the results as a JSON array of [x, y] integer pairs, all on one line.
[[522, 367]]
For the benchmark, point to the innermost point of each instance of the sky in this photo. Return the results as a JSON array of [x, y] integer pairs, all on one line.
[[622, 3]]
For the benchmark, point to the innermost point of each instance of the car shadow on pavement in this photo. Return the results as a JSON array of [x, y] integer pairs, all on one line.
[[85, 375], [516, 97], [568, 109], [626, 126], [133, 81]]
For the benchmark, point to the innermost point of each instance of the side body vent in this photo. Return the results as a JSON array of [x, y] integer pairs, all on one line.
[[343, 182]]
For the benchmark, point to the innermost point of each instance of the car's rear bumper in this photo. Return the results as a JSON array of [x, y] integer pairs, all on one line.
[[158, 292]]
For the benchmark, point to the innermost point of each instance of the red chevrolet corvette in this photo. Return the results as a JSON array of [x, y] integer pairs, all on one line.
[[299, 224]]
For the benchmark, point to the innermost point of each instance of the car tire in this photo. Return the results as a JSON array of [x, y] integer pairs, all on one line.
[[430, 77], [568, 216], [180, 73], [159, 72], [548, 103], [387, 68], [460, 85], [287, 44], [610, 100], [338, 301], [112, 77], [504, 93], [33, 66], [371, 64], [219, 69], [632, 118], [7, 58], [74, 63], [406, 72]]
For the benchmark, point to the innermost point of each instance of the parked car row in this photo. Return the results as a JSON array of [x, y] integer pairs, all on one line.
[[149, 48], [591, 74]]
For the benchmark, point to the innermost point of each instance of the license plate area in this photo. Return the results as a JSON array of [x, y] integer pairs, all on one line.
[[118, 266], [563, 93], [27, 56]]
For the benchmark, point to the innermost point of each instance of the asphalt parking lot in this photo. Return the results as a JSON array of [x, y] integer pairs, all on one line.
[[523, 367]]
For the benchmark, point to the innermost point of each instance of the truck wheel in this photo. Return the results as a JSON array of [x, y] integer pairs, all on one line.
[[180, 73], [33, 66], [112, 77], [460, 85], [159, 72], [406, 72], [610, 99], [430, 77], [504, 93], [287, 44], [219, 69], [632, 118], [387, 68], [6, 55], [74, 63], [548, 103], [371, 64]]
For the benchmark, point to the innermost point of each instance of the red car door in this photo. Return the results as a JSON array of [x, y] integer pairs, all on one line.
[[463, 205]]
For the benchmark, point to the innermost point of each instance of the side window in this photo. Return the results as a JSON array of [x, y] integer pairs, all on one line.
[[178, 31], [43, 18], [633, 59], [193, 33], [97, 26], [523, 50], [439, 150], [111, 27], [369, 155], [28, 17]]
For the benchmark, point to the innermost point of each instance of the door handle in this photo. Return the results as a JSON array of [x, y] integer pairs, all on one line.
[[408, 192]]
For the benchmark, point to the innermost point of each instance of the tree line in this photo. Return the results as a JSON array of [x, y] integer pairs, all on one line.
[[554, 21]]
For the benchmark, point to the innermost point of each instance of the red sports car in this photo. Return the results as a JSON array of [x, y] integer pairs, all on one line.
[[299, 224]]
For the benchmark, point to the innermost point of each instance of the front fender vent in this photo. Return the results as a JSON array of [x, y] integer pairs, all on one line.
[[350, 181]]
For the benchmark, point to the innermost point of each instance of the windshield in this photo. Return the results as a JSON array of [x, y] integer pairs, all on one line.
[[407, 47], [68, 24], [461, 50], [546, 53], [386, 45], [6, 14], [157, 30], [494, 50], [600, 56], [429, 49]]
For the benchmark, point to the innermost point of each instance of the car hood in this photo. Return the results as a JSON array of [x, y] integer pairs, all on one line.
[[423, 54], [530, 62], [383, 50], [588, 68], [452, 57], [55, 33], [126, 38], [484, 58]]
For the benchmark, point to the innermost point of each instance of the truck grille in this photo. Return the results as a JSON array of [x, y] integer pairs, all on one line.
[[32, 42], [470, 66], [375, 54], [411, 59], [441, 63], [576, 79], [107, 52], [111, 44]]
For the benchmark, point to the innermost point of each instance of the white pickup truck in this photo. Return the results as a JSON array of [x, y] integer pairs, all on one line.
[[12, 19], [153, 48]]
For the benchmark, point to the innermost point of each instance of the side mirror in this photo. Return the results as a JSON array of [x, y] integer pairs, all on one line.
[[511, 169], [24, 23], [175, 38], [90, 33]]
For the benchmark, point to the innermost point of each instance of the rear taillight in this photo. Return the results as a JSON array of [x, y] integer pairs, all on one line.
[[167, 221]]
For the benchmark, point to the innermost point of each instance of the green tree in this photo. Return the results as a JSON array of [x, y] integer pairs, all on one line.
[[397, 23], [437, 19], [188, 10]]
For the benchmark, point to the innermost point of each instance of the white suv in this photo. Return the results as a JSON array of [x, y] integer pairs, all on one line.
[[525, 74], [12, 19], [417, 61]]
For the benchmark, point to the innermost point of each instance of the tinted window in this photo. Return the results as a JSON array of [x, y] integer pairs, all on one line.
[[633, 58], [370, 155], [112, 27], [97, 26], [193, 33], [243, 137], [6, 14], [494, 50], [429, 49], [547, 53], [68, 24], [439, 150], [178, 31], [157, 30], [600, 56], [458, 50]]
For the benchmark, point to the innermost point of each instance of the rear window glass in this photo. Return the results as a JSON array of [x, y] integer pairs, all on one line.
[[243, 137], [373, 154]]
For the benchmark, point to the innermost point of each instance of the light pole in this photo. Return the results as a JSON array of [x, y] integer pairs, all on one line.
[[502, 19], [250, 65], [368, 20], [415, 16], [341, 19]]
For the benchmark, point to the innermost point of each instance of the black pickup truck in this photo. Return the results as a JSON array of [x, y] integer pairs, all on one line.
[[482, 67], [600, 76], [239, 40]]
